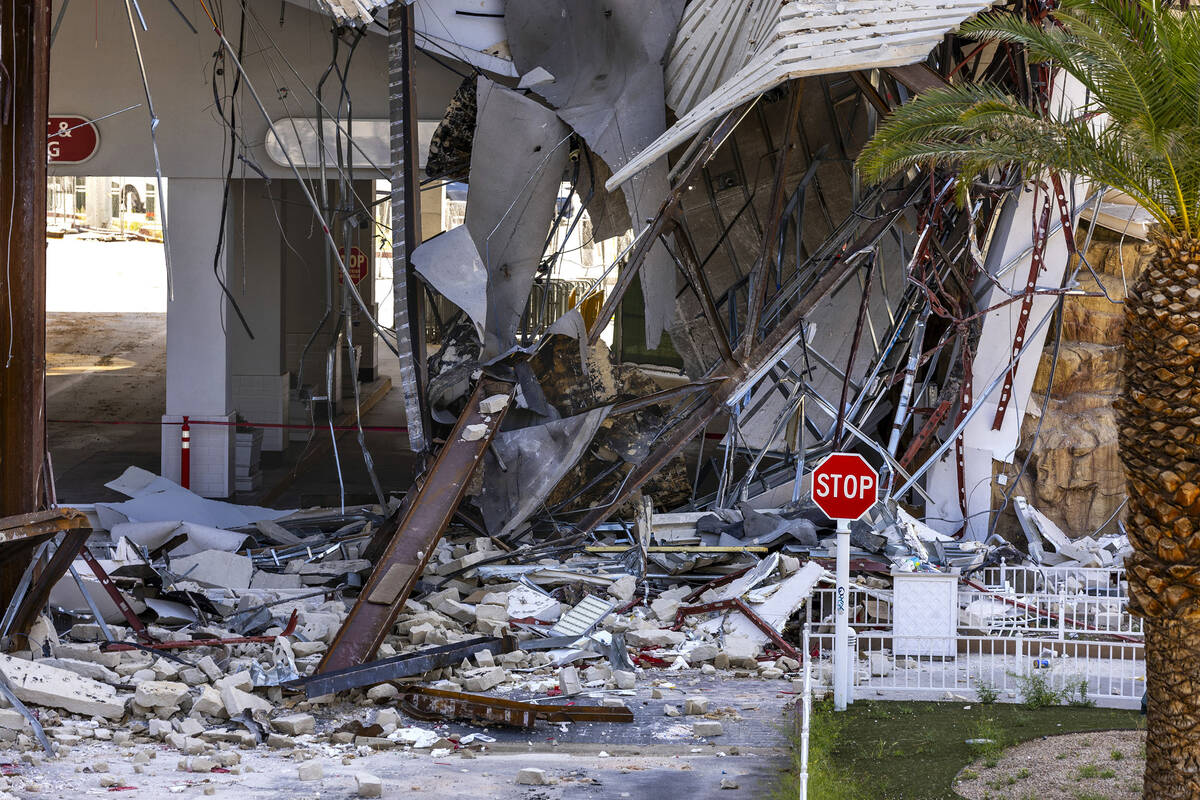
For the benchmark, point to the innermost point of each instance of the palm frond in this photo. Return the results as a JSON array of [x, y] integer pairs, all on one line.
[[1137, 63]]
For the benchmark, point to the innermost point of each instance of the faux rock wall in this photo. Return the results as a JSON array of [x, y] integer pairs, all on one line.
[[1074, 476]]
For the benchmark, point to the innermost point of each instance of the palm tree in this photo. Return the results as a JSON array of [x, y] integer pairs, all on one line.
[[1138, 132]]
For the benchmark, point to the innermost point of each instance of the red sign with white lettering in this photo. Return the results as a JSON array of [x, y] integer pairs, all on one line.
[[71, 139], [356, 265], [845, 486]]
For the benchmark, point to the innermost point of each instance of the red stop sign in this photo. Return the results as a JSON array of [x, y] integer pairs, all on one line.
[[844, 486], [356, 264]]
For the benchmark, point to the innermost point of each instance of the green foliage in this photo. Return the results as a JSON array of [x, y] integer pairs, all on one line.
[[1092, 772], [1036, 691], [1137, 59], [1075, 693], [986, 692], [826, 779], [1117, 755]]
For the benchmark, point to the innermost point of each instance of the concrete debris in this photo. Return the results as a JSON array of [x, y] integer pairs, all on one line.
[[160, 694], [531, 776], [368, 785], [311, 771], [45, 685]]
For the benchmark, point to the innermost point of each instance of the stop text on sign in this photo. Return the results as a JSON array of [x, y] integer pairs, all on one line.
[[850, 487]]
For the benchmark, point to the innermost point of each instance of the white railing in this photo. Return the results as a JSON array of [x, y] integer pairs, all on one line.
[[1107, 673], [1059, 602], [1019, 629]]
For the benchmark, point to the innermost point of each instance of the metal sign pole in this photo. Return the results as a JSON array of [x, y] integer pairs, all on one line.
[[841, 646], [806, 706]]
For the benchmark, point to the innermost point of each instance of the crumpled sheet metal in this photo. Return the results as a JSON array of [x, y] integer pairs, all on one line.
[[450, 263], [536, 458], [517, 165], [606, 60]]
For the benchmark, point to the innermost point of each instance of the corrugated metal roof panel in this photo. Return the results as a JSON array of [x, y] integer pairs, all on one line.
[[726, 55]]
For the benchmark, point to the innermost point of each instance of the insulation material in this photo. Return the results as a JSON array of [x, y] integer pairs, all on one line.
[[608, 86], [153, 535], [535, 460], [450, 264], [516, 167], [157, 499], [776, 42]]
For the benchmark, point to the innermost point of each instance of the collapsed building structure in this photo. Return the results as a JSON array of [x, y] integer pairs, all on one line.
[[569, 503]]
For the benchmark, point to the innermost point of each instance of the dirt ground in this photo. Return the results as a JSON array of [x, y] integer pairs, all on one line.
[[1078, 766]]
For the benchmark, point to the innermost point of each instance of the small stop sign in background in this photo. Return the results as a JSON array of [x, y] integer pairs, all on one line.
[[356, 264], [845, 486]]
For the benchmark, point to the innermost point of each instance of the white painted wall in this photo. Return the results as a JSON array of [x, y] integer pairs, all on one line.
[[93, 72]]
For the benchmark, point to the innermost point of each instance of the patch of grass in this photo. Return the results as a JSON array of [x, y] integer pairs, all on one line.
[[968, 775], [1091, 796], [913, 751], [1093, 772], [1116, 755], [827, 778]]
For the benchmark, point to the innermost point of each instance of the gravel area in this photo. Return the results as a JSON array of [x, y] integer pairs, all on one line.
[[1074, 766]]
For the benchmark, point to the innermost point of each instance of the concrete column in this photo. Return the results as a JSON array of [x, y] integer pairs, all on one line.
[[256, 279], [199, 381]]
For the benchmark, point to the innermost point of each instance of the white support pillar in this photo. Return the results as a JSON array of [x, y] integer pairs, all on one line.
[[198, 349], [256, 279]]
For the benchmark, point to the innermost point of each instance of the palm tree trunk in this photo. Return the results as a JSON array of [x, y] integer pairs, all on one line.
[[1159, 436]]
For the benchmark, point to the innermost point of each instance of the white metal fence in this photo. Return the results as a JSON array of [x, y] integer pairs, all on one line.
[[1019, 630]]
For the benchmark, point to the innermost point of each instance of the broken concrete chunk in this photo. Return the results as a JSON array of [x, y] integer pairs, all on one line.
[[368, 785], [86, 652], [295, 724], [88, 669], [159, 694], [654, 637], [624, 679], [742, 652], [485, 679], [210, 668], [623, 588], [881, 665], [209, 703], [494, 404], [568, 681], [238, 680], [236, 701], [473, 433], [708, 727], [670, 710], [311, 771], [12, 720], [695, 706], [664, 608], [58, 688], [531, 776], [303, 649], [382, 693]]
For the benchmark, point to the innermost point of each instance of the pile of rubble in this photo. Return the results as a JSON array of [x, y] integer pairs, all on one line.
[[213, 635]]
